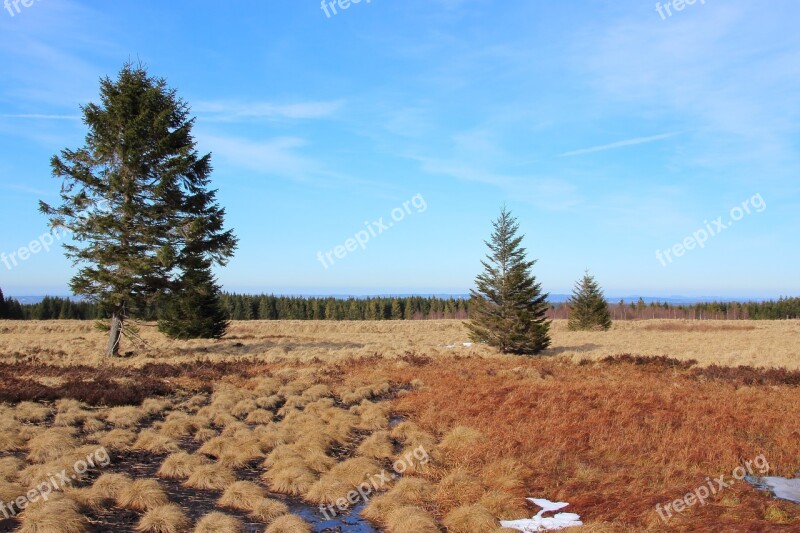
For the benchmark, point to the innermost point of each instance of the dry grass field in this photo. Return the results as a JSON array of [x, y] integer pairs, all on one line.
[[257, 431]]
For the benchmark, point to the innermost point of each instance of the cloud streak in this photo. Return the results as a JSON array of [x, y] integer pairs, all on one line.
[[620, 144], [229, 111]]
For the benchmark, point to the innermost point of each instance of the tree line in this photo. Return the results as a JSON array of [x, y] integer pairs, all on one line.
[[272, 307]]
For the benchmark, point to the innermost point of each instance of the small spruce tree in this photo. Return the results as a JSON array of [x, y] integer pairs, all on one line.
[[508, 308], [588, 309], [194, 310]]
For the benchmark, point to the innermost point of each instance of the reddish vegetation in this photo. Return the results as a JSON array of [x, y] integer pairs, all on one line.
[[112, 385], [615, 440]]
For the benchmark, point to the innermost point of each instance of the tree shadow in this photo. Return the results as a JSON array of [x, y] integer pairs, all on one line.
[[588, 347]]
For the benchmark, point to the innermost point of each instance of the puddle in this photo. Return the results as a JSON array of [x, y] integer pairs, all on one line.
[[350, 522], [780, 487], [8, 524]]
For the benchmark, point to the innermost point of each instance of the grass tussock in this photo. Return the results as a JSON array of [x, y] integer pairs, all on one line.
[[205, 434], [111, 486], [460, 443], [411, 518], [85, 497], [259, 416], [142, 495], [379, 507], [504, 506], [179, 424], [164, 519], [267, 509], [241, 452], [242, 495], [458, 487], [217, 522], [327, 490], [50, 445], [181, 465], [153, 442], [56, 515], [377, 446], [117, 439], [504, 475], [214, 446], [10, 491], [31, 412], [415, 490], [291, 477], [288, 524], [372, 416], [155, 406], [367, 392], [73, 417], [125, 417], [210, 477], [355, 471], [92, 424], [10, 468], [470, 518], [268, 402], [10, 438]]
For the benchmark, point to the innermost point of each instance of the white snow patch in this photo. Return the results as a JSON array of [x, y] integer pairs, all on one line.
[[783, 488], [467, 344], [543, 523]]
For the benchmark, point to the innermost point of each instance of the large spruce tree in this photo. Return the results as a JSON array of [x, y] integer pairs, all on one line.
[[136, 200], [588, 308], [508, 308]]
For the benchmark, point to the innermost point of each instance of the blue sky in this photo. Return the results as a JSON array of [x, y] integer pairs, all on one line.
[[609, 130]]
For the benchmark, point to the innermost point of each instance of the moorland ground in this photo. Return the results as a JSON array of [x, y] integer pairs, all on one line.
[[259, 429]]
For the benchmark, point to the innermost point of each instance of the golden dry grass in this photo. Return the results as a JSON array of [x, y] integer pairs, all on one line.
[[9, 467], [142, 495], [242, 495], [181, 465], [56, 515], [266, 510], [759, 343], [210, 477], [288, 524], [217, 522], [167, 518], [470, 518]]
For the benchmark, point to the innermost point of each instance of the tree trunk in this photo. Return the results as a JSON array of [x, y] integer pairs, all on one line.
[[114, 335]]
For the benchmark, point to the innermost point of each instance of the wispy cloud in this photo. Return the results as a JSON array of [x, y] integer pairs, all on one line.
[[28, 190], [276, 157], [232, 111], [620, 144], [552, 194]]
